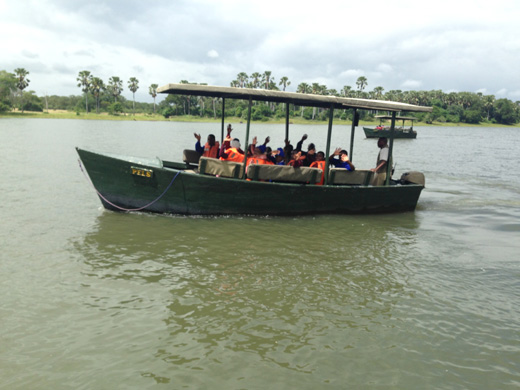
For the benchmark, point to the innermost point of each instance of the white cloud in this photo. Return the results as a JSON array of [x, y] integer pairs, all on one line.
[[385, 68], [212, 54], [501, 92], [411, 84]]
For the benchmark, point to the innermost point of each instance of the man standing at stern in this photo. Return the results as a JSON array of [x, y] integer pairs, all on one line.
[[382, 161]]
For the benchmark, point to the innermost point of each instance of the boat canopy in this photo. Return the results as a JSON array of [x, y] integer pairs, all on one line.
[[299, 99]]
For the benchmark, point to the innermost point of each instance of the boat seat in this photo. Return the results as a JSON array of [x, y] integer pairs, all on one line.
[[216, 167], [283, 173], [341, 176], [190, 156]]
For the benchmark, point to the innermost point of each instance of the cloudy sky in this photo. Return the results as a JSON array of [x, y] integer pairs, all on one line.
[[451, 45]]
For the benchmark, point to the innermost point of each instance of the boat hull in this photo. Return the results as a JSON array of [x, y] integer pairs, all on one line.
[[373, 133], [131, 185]]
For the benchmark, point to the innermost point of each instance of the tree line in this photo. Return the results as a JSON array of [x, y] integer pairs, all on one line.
[[453, 107]]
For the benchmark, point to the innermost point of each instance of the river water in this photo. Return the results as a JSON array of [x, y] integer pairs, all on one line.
[[92, 299]]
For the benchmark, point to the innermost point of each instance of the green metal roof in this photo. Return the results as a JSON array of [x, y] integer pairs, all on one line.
[[299, 99]]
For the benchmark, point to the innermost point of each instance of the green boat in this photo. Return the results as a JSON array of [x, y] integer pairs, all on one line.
[[384, 131], [207, 186]]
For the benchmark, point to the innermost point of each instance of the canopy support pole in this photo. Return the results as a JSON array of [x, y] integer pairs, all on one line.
[[286, 121], [327, 152], [352, 130], [247, 136], [389, 162], [223, 117]]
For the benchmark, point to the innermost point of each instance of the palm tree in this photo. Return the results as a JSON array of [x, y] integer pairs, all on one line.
[[489, 100], [361, 83], [347, 91], [266, 78], [378, 92], [214, 102], [115, 87], [317, 89], [133, 85], [187, 101], [255, 79], [152, 90], [303, 88], [22, 82], [242, 79], [96, 87], [201, 102], [84, 79], [285, 82]]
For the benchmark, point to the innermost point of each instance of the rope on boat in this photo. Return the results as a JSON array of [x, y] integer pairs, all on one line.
[[119, 207]]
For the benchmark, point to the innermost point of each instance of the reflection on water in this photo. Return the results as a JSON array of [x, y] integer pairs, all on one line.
[[280, 289]]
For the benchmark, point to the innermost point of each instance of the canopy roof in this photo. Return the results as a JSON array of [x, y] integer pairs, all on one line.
[[403, 118], [299, 99]]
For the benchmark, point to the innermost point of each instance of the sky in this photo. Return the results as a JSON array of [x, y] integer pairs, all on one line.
[[453, 46]]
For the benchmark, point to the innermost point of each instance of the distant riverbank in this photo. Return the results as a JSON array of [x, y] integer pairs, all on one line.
[[61, 114]]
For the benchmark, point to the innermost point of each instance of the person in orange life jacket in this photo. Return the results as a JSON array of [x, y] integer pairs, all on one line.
[[296, 160], [210, 149], [232, 152], [320, 163], [257, 152], [258, 158], [343, 160]]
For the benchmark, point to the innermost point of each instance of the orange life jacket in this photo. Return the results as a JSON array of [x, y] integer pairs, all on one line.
[[256, 160], [233, 155], [320, 165], [211, 151]]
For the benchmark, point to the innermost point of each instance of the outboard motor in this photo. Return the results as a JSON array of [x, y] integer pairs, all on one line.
[[413, 177]]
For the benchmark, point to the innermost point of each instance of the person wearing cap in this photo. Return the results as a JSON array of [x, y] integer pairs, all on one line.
[[264, 147], [342, 161], [279, 157], [231, 152]]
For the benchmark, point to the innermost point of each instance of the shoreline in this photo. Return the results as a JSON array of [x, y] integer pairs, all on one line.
[[59, 114]]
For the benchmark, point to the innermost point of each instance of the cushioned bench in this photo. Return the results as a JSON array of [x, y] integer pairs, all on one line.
[[190, 156], [216, 167], [340, 176], [284, 173]]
